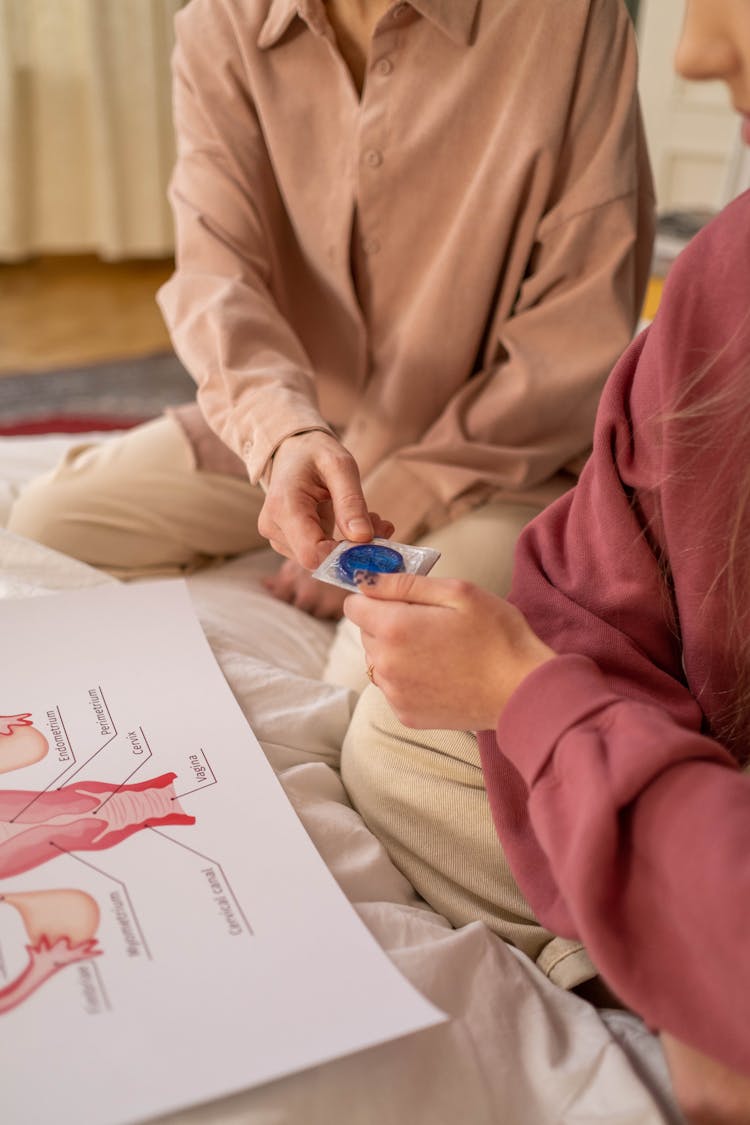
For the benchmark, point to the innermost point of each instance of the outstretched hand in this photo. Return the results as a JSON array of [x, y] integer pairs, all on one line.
[[314, 488], [447, 654]]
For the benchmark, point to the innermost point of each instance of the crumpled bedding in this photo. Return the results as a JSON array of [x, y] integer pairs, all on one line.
[[517, 1050]]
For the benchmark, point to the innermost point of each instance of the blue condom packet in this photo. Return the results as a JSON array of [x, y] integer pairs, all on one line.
[[348, 561]]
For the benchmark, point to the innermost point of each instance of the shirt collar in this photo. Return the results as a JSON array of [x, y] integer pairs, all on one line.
[[454, 17], [280, 15]]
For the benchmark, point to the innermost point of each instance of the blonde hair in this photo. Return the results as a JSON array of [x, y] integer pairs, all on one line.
[[695, 419]]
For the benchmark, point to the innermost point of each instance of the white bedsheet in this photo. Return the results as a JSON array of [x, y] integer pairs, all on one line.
[[518, 1050]]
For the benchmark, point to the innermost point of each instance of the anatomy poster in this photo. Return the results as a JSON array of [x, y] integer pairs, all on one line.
[[168, 933]]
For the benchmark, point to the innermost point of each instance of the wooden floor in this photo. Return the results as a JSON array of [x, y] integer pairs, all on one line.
[[59, 312]]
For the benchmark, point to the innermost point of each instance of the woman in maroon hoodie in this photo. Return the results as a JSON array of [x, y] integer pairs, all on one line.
[[614, 692]]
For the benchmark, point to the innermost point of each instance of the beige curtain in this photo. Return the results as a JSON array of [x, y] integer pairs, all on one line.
[[86, 141]]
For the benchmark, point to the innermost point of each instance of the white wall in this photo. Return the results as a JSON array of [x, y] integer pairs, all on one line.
[[693, 133]]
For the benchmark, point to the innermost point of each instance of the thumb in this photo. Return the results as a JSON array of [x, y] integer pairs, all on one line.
[[349, 505], [416, 589]]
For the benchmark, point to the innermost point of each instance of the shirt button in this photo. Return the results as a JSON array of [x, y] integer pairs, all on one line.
[[384, 66], [374, 158], [371, 246]]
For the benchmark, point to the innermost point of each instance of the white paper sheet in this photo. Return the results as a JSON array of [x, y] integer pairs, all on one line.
[[168, 933]]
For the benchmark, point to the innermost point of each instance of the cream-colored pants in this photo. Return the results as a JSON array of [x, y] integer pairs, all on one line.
[[137, 506], [422, 794]]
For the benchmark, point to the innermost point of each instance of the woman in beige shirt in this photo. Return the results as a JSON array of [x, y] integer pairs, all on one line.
[[411, 241]]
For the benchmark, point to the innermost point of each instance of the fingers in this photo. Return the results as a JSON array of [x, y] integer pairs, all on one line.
[[349, 505], [381, 529], [417, 589], [401, 591], [314, 485], [297, 535]]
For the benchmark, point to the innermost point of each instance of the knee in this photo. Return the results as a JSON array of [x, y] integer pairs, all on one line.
[[368, 719], [364, 747], [102, 526], [346, 665], [71, 513], [43, 512]]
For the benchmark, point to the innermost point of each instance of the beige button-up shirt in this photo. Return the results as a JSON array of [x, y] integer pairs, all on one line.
[[442, 271]]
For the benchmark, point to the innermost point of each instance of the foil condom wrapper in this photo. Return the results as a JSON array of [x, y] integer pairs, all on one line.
[[416, 560]]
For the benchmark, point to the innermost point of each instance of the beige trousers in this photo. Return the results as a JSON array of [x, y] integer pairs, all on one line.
[[422, 794], [138, 506]]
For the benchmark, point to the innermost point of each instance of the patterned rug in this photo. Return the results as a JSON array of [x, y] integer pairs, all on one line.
[[106, 396]]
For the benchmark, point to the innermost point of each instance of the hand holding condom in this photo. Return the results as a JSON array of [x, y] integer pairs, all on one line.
[[446, 654]]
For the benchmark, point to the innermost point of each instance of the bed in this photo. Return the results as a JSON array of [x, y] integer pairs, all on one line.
[[517, 1050]]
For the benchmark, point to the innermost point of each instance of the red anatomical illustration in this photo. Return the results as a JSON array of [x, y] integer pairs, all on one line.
[[61, 925], [21, 744], [85, 816]]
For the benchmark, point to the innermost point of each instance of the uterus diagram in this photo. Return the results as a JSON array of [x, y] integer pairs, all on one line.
[[38, 826], [61, 926], [21, 744], [35, 827]]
